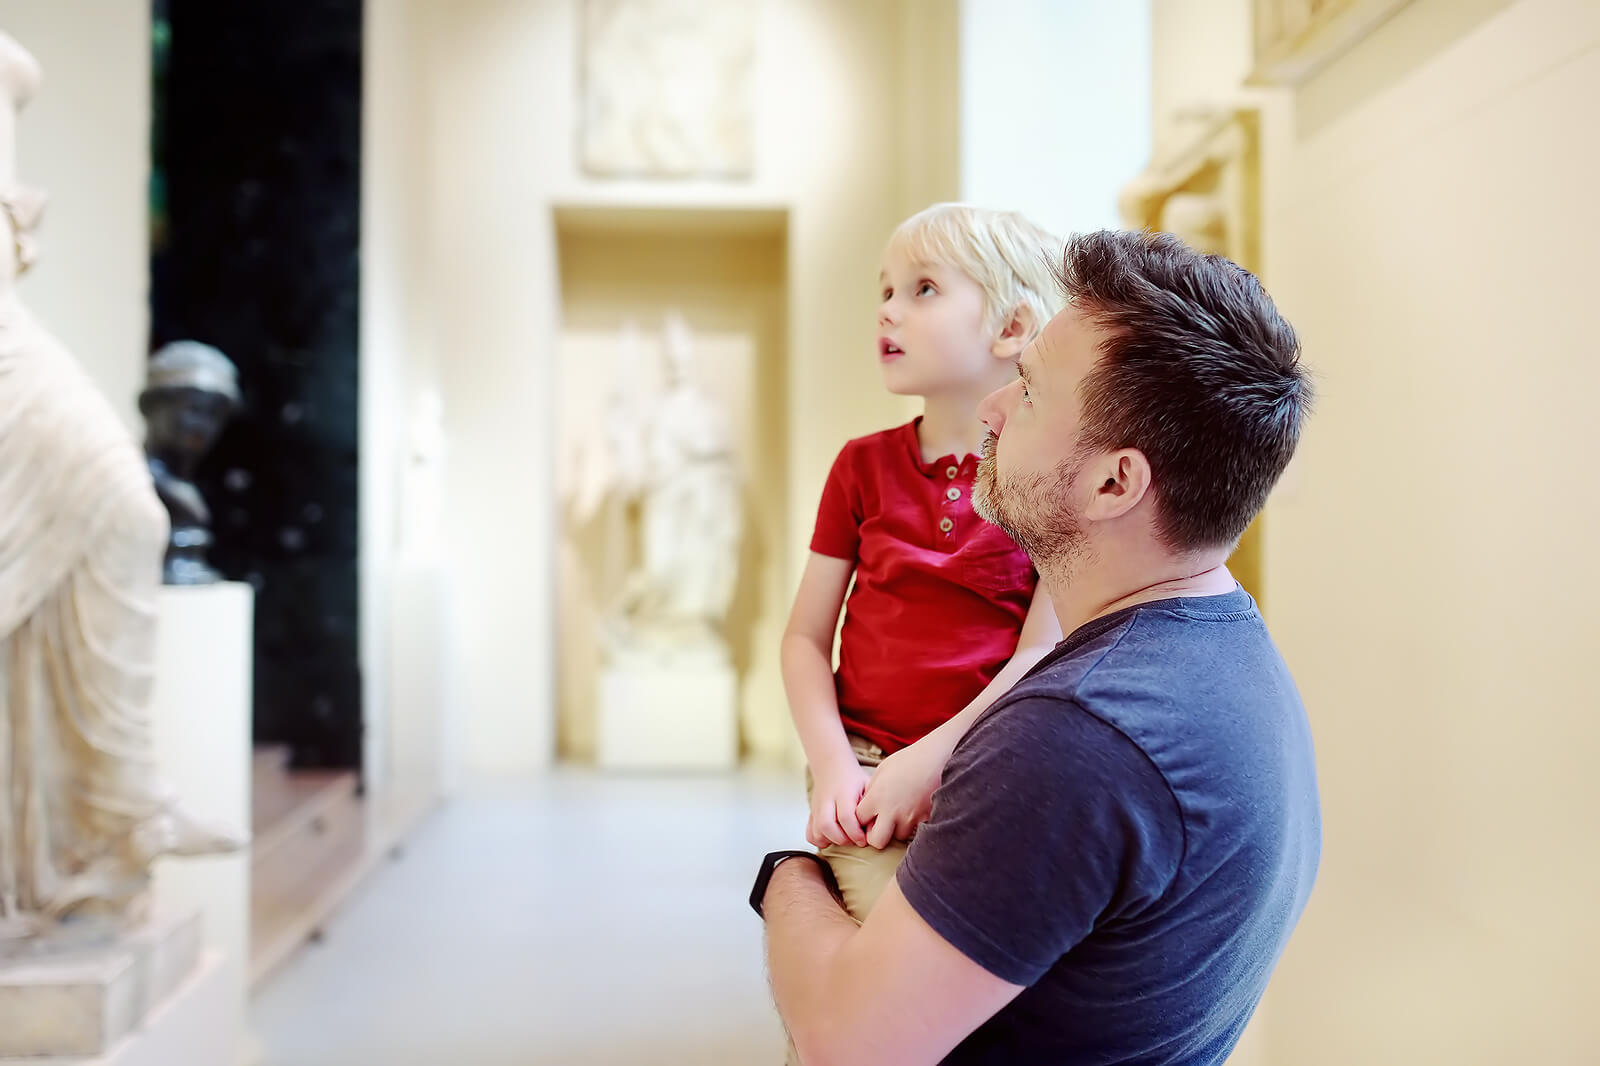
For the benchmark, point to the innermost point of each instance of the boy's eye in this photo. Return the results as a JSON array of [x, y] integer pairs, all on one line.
[[925, 288], [887, 293]]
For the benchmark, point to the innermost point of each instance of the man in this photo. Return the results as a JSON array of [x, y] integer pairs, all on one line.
[[1122, 844]]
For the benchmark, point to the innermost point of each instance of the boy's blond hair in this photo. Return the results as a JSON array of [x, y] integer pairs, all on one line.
[[1010, 258]]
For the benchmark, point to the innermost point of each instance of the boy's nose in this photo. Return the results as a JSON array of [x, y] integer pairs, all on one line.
[[886, 314]]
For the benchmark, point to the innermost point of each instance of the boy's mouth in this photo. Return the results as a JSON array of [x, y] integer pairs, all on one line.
[[888, 349]]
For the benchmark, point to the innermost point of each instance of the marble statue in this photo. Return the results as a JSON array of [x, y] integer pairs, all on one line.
[[611, 460], [1200, 220], [82, 534], [685, 483], [191, 391], [667, 88]]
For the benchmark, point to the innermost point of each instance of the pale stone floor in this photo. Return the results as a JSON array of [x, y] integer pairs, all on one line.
[[574, 920]]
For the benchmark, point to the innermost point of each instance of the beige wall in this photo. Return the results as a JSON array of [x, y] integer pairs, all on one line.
[[1432, 569], [836, 82], [1200, 53], [85, 139], [1430, 572], [398, 368]]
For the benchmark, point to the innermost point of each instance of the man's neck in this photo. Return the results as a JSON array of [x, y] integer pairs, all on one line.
[[1093, 588]]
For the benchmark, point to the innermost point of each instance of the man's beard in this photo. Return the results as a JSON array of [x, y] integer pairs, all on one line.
[[1033, 510]]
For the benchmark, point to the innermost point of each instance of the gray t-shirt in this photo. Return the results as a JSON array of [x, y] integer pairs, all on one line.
[[1131, 832]]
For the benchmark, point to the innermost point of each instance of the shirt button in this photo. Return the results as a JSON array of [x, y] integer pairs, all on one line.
[[946, 525], [953, 494], [951, 471]]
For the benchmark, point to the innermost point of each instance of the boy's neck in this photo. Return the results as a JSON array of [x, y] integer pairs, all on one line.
[[950, 426]]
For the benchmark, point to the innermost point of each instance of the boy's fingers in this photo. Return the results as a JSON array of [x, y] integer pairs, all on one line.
[[852, 828], [828, 828]]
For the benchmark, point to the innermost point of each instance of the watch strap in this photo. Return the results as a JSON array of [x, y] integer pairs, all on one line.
[[773, 860]]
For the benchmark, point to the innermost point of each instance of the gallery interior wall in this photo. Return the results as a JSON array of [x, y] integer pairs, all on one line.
[[408, 647], [1429, 209], [833, 89], [84, 139]]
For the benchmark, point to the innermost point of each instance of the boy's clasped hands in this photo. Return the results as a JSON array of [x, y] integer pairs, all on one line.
[[853, 804]]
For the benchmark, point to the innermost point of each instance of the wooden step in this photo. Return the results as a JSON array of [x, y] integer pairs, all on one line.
[[269, 761], [284, 809], [310, 843]]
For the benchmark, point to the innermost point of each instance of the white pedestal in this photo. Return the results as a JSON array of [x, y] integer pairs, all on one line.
[[202, 707], [192, 1028], [668, 716], [85, 1002]]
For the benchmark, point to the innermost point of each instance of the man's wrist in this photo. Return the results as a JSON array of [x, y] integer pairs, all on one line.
[[788, 870], [772, 870]]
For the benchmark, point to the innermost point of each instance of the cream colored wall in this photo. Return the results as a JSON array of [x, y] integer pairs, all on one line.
[[1200, 53], [85, 139], [397, 368], [931, 63], [1429, 214], [832, 144], [1432, 568]]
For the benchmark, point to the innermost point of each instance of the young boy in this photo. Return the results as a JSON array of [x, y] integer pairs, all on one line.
[[944, 617]]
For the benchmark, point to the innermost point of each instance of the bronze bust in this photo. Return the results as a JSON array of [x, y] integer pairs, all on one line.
[[191, 392]]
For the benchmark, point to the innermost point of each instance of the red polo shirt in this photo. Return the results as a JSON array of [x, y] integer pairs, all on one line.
[[939, 594]]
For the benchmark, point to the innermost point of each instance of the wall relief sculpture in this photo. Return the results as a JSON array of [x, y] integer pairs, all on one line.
[[667, 88]]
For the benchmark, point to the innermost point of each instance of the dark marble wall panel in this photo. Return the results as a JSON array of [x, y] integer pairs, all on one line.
[[258, 164]]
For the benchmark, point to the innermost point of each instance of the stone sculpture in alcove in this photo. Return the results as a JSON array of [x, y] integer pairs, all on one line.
[[82, 534], [685, 482], [190, 392]]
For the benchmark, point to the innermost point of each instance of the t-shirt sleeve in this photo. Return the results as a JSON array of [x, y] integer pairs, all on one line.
[[839, 516], [1048, 822]]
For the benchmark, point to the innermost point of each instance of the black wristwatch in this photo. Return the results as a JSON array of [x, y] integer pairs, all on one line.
[[758, 894]]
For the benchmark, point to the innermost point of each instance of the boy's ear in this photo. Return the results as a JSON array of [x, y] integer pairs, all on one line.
[[1014, 333]]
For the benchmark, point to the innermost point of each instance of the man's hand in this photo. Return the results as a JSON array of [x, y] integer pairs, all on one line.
[[900, 794], [834, 795]]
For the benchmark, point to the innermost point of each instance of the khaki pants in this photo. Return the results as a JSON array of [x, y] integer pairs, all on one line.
[[862, 873]]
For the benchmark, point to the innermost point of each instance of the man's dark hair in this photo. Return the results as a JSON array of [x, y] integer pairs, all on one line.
[[1198, 371]]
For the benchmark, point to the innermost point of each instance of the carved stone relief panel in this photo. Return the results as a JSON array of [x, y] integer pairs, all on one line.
[[667, 88], [1296, 38]]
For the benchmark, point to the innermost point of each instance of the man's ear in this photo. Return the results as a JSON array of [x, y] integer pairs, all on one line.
[[1122, 480], [1014, 333]]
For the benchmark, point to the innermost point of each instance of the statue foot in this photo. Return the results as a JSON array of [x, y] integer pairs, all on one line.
[[174, 833]]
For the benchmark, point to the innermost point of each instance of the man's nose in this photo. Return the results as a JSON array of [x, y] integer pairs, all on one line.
[[994, 407]]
